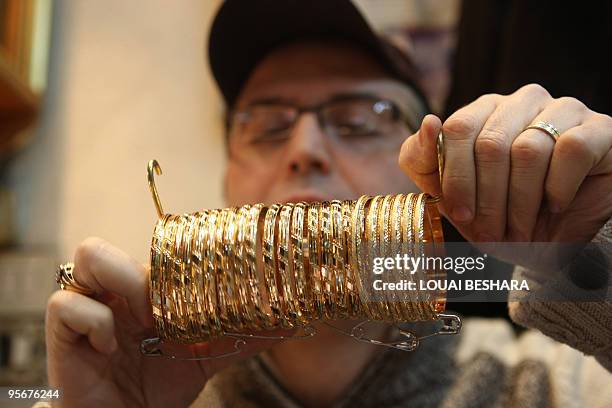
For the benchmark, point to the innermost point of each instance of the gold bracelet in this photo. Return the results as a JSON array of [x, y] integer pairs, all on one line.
[[327, 271], [386, 251], [408, 247], [157, 258], [356, 250], [284, 264], [270, 263], [314, 260], [424, 307], [215, 272], [353, 300], [247, 309], [211, 270], [199, 274], [338, 255], [379, 308], [303, 290], [256, 278]]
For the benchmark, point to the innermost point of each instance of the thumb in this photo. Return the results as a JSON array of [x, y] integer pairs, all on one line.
[[419, 156]]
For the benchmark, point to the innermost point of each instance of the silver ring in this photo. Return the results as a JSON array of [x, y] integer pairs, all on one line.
[[65, 280], [547, 128]]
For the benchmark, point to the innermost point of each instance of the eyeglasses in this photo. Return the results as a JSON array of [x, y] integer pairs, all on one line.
[[361, 123]]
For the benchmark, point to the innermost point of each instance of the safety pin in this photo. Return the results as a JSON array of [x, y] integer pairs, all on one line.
[[451, 324], [150, 347]]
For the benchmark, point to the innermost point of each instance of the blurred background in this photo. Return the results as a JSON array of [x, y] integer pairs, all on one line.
[[90, 90]]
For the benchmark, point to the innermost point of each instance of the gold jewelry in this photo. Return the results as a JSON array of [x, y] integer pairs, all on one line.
[[338, 256], [379, 309], [222, 272], [327, 271], [298, 239], [270, 263], [547, 128], [285, 266], [66, 281], [314, 259], [255, 220]]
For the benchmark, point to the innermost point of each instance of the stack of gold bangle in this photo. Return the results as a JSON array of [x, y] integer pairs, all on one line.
[[262, 267]]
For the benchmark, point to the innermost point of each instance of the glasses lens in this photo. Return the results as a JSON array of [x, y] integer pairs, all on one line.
[[356, 118], [263, 124]]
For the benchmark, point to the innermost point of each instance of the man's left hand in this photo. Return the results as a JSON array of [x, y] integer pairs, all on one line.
[[503, 183]]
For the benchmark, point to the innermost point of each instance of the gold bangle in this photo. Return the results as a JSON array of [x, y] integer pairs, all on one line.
[[435, 237], [327, 284], [224, 307], [314, 260], [175, 321], [211, 271], [230, 275], [156, 278], [255, 270], [187, 286], [199, 278], [303, 290], [338, 255], [287, 295], [408, 246], [270, 264], [385, 231], [397, 248], [373, 238], [240, 266], [358, 268], [353, 301], [424, 307]]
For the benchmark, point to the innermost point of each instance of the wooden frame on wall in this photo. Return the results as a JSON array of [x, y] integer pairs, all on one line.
[[24, 44]]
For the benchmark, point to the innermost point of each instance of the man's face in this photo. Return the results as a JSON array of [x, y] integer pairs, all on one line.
[[311, 160]]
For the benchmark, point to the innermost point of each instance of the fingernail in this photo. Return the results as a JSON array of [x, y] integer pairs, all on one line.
[[461, 213]]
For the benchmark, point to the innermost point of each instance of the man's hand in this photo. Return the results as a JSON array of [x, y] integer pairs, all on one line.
[[504, 184], [93, 343]]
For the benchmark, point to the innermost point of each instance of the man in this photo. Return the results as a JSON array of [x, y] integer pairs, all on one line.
[[300, 89]]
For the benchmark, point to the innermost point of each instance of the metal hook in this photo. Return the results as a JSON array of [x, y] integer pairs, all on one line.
[[154, 168], [150, 348]]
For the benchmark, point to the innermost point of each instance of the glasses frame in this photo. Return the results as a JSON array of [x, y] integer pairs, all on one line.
[[398, 115]]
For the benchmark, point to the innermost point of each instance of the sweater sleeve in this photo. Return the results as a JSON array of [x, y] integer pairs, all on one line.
[[583, 325]]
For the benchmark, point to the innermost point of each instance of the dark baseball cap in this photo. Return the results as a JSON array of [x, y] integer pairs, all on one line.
[[245, 31]]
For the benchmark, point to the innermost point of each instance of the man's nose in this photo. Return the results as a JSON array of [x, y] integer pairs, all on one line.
[[308, 148]]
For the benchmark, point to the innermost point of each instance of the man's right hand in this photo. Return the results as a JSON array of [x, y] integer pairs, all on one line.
[[93, 343]]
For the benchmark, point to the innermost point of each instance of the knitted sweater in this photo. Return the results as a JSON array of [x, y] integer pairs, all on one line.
[[562, 361]]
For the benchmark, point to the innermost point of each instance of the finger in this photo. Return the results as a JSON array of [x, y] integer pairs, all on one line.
[[71, 315], [103, 267], [418, 156], [530, 156], [492, 155], [459, 181], [580, 151]]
